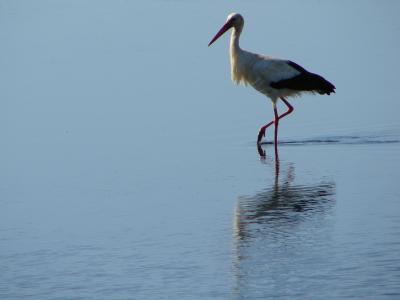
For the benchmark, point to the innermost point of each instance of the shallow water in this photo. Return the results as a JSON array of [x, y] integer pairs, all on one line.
[[332, 237], [129, 165]]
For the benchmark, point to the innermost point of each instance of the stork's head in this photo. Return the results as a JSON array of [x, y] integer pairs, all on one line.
[[234, 20]]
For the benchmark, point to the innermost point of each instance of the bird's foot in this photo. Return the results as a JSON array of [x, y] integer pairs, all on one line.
[[261, 151]]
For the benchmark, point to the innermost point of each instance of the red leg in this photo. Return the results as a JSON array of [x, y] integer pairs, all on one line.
[[276, 121], [261, 133], [290, 108]]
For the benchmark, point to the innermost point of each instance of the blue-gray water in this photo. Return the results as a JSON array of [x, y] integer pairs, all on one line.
[[129, 166]]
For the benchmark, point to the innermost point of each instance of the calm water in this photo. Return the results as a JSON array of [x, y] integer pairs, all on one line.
[[129, 166]]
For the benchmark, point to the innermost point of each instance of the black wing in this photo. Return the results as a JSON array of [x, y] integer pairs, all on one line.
[[305, 81]]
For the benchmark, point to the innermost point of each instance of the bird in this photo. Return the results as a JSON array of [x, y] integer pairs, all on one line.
[[276, 78]]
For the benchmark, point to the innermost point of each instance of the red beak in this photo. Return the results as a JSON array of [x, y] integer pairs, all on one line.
[[221, 32]]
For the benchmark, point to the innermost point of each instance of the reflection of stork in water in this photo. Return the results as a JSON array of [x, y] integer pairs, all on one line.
[[283, 204], [276, 231]]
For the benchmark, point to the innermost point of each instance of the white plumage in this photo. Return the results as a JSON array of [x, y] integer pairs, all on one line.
[[275, 78]]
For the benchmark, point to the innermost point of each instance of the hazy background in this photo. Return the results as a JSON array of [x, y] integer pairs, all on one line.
[[127, 154]]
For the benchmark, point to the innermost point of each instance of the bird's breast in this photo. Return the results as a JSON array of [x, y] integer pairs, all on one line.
[[242, 65], [259, 72]]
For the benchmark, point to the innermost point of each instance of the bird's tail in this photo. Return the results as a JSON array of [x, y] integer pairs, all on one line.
[[321, 85]]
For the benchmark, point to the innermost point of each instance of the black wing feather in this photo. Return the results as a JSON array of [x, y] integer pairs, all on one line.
[[305, 81]]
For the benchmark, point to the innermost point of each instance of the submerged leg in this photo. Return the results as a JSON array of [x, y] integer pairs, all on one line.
[[261, 133]]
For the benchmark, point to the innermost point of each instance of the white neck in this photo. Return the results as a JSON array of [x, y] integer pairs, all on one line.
[[235, 35], [235, 54]]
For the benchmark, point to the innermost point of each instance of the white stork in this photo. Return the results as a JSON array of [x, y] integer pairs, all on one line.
[[275, 78]]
